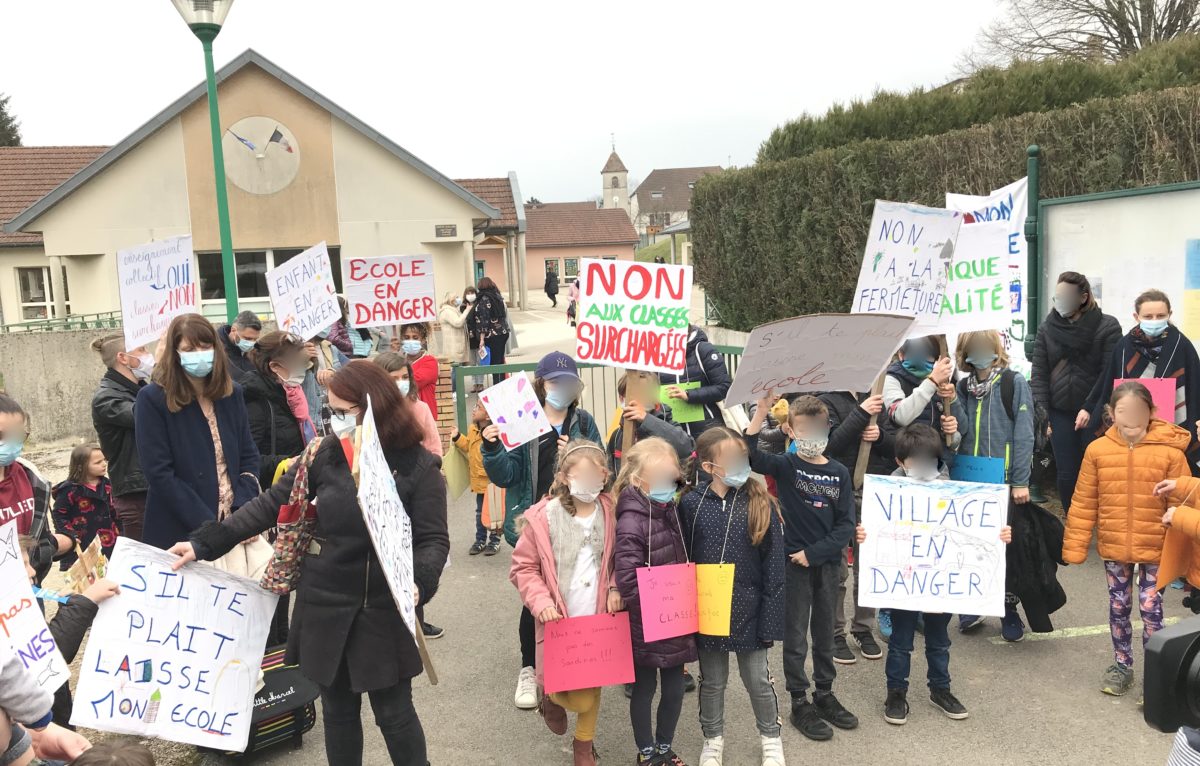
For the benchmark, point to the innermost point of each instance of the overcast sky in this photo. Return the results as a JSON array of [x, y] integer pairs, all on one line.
[[481, 88]]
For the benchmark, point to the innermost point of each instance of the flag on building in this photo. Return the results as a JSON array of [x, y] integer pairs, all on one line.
[[249, 145], [277, 138]]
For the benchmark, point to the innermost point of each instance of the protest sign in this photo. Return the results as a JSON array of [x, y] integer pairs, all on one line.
[[714, 593], [157, 283], [177, 654], [587, 652], [820, 352], [1162, 391], [390, 290], [635, 315], [682, 411], [23, 630], [302, 293], [514, 408], [668, 595], [976, 297], [90, 565], [979, 469], [387, 521], [933, 546]]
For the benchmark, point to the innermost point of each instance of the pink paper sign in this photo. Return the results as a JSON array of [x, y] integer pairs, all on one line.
[[668, 596], [587, 652], [1162, 391]]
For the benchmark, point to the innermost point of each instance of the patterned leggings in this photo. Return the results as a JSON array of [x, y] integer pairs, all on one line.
[[1120, 606]]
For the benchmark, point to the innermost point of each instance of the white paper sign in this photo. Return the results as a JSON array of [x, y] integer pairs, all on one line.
[[820, 352], [387, 521], [177, 654], [391, 290], [157, 283], [976, 297], [904, 268], [23, 629], [634, 315], [513, 406], [303, 295], [933, 546]]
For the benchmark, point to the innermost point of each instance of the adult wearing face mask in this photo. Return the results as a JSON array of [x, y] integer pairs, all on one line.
[[112, 417], [470, 299], [193, 436], [1072, 349], [238, 339], [275, 405]]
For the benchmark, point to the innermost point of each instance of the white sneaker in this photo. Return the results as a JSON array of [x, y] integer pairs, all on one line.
[[526, 696], [772, 751], [713, 751]]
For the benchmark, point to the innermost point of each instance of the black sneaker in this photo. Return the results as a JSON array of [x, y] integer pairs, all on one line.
[[689, 683], [841, 652], [831, 710], [492, 548], [432, 631], [895, 708], [628, 691], [946, 702], [808, 722], [866, 644], [477, 548]]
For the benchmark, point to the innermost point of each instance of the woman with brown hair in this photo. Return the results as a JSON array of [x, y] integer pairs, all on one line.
[[490, 324], [193, 435], [347, 634], [279, 416]]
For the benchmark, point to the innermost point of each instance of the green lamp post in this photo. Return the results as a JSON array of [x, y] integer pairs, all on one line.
[[205, 18]]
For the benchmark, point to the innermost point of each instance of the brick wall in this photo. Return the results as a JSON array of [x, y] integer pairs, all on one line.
[[445, 401]]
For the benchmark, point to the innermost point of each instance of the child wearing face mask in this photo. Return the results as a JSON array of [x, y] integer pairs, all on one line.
[[917, 385], [1116, 495], [400, 370], [563, 567], [650, 419], [998, 407], [413, 344], [732, 519], [817, 495], [649, 533]]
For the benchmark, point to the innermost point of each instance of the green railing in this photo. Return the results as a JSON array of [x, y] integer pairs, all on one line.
[[599, 384], [103, 321]]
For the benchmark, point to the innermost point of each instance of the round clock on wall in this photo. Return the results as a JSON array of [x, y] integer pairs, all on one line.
[[261, 155]]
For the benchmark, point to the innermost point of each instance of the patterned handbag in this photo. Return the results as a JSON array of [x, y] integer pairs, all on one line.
[[294, 533]]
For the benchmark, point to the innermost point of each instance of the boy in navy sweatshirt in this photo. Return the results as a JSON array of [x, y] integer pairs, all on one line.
[[817, 495]]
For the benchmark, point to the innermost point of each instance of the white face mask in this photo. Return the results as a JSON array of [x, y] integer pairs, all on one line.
[[470, 297], [922, 470], [144, 369], [343, 425], [585, 493]]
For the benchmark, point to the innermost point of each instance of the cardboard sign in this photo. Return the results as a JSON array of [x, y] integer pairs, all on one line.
[[682, 411], [982, 470], [514, 408], [587, 652], [177, 654], [976, 297], [90, 565], [906, 264], [933, 546], [820, 352], [1162, 391], [23, 630], [387, 521], [303, 295], [668, 596], [635, 315], [390, 290], [714, 593], [157, 283]]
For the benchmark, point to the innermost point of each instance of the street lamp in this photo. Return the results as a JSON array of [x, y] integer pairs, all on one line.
[[204, 18]]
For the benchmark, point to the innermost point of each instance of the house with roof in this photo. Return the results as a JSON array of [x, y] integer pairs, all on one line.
[[502, 240], [560, 235], [301, 170], [664, 198]]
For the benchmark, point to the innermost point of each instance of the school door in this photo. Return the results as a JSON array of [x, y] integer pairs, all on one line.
[[479, 273]]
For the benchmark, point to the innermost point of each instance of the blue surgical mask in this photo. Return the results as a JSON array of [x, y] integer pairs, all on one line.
[[404, 385], [560, 398], [1153, 327], [10, 450], [411, 347], [198, 364], [245, 345], [736, 477], [663, 494], [981, 360], [918, 367]]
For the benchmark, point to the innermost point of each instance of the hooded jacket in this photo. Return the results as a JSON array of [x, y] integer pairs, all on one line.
[[1181, 546], [706, 365], [655, 424], [988, 431], [1115, 495], [847, 421], [112, 417], [1069, 357]]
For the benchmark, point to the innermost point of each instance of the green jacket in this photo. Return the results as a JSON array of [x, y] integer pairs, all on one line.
[[513, 470]]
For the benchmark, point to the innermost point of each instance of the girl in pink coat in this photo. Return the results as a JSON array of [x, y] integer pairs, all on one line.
[[563, 567]]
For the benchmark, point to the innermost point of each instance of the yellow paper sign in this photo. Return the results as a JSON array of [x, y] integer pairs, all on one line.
[[714, 596]]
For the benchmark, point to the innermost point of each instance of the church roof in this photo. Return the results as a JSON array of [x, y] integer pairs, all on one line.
[[614, 165]]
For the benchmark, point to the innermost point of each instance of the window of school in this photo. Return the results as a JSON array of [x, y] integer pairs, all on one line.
[[570, 267], [252, 267], [37, 292]]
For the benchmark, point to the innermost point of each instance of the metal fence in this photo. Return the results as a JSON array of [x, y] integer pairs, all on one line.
[[102, 321]]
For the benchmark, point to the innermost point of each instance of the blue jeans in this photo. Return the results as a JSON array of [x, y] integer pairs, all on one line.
[[481, 532], [937, 649], [1069, 446]]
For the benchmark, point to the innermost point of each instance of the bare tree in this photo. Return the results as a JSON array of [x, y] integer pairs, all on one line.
[[1105, 29]]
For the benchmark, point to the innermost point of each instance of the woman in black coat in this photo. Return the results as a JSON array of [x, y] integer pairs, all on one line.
[[1073, 346], [489, 323], [275, 404], [552, 287], [347, 635]]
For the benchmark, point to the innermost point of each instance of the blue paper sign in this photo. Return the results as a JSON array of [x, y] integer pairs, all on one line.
[[981, 470]]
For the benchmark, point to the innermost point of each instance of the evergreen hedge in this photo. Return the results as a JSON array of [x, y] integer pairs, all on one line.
[[988, 95], [781, 239]]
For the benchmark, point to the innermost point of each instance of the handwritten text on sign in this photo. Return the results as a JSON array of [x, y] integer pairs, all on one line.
[[977, 296], [821, 352], [714, 593], [177, 654], [393, 289], [22, 627], [303, 294], [635, 315], [933, 546], [587, 652], [157, 284], [668, 596]]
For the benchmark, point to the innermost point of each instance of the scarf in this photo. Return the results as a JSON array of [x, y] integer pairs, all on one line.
[[298, 404], [1150, 348], [981, 388], [567, 539], [1075, 337]]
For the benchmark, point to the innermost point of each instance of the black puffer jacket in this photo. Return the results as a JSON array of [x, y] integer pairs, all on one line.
[[1065, 369], [847, 421], [706, 365], [344, 609], [112, 417], [275, 429]]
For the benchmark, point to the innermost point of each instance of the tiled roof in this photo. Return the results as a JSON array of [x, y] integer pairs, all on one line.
[[551, 226], [614, 165], [28, 173], [497, 192], [672, 183]]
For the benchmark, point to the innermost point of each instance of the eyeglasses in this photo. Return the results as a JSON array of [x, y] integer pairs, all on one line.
[[345, 412]]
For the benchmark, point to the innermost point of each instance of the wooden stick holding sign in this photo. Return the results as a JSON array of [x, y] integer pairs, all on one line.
[[641, 388], [943, 352], [864, 447]]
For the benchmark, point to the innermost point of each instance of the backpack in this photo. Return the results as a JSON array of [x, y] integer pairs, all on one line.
[[1008, 388]]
